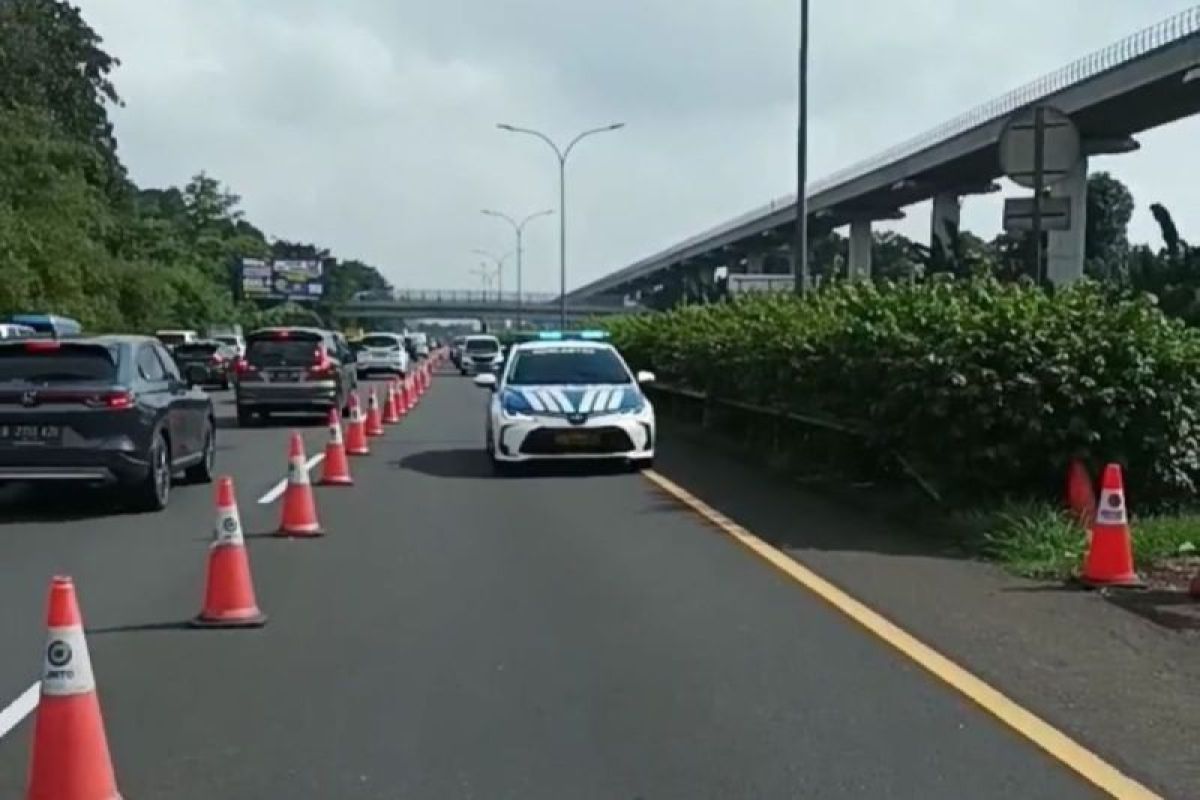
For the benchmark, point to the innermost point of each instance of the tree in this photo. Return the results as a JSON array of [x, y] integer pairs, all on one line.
[[1109, 210], [52, 62]]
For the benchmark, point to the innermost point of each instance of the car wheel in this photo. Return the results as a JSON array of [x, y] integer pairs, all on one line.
[[153, 491], [225, 384], [640, 464], [246, 418], [203, 471], [504, 469]]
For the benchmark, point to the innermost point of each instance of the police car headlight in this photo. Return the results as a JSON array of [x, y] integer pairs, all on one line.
[[514, 404]]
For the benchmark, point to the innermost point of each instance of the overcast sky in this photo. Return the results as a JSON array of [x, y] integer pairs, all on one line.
[[369, 125]]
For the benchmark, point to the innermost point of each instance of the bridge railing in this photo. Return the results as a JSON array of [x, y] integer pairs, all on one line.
[[456, 297], [478, 297], [1171, 30]]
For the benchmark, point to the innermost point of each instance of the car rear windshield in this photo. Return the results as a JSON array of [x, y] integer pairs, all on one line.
[[296, 350], [380, 341], [43, 363], [482, 345], [172, 338], [583, 365], [195, 350]]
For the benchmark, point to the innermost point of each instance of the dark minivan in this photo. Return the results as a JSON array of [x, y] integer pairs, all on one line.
[[102, 410], [293, 370], [206, 362]]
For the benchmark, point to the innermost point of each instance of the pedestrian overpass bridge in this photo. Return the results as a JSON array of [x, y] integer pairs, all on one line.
[[532, 308]]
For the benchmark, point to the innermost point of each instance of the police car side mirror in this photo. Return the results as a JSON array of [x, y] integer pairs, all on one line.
[[485, 380], [645, 377]]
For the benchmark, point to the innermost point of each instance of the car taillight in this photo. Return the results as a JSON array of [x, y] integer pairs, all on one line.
[[244, 367], [111, 400], [39, 345], [323, 367], [217, 359]]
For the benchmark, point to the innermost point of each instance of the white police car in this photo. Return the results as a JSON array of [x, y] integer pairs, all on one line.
[[568, 397]]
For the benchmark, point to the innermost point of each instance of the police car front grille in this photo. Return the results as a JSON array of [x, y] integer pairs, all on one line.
[[600, 441]]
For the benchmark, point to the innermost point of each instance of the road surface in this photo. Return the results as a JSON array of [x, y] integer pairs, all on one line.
[[458, 635]]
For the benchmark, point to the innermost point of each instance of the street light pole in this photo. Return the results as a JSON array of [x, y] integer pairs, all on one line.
[[563, 154], [519, 228], [499, 262], [800, 243]]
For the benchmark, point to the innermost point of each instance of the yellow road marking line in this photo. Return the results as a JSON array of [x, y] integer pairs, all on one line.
[[1043, 734]]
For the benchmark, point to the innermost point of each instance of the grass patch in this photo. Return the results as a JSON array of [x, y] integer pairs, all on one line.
[[1039, 541]]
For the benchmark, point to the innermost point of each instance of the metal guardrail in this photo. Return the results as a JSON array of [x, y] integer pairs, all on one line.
[[807, 420], [1174, 29]]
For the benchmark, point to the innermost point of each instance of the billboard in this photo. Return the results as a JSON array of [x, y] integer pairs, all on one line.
[[281, 279]]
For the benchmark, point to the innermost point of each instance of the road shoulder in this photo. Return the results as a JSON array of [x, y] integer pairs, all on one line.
[[1112, 680]]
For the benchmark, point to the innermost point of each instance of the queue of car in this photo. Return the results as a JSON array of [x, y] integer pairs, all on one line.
[[129, 412]]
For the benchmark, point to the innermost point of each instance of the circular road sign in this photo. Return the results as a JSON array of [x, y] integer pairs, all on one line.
[[1061, 147]]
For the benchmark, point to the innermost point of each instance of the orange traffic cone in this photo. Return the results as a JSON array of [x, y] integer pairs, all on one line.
[[229, 590], [356, 434], [391, 414], [1080, 495], [410, 392], [70, 750], [374, 422], [299, 517], [335, 469], [1109, 559]]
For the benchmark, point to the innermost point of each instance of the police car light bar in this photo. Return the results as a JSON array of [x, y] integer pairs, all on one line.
[[556, 336]]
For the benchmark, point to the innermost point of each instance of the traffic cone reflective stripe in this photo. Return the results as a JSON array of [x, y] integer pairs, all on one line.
[[70, 759], [356, 436], [335, 469], [229, 600], [299, 517], [1109, 560], [374, 422]]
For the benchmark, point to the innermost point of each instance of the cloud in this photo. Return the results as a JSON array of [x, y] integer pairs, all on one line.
[[369, 125]]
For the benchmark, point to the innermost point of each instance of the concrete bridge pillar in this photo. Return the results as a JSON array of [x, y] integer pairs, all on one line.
[[860, 249], [1065, 249], [944, 223]]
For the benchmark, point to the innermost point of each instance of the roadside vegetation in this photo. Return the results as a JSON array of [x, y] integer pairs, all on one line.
[[77, 236], [986, 388]]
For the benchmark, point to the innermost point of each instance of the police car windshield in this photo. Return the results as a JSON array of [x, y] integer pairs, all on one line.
[[576, 365]]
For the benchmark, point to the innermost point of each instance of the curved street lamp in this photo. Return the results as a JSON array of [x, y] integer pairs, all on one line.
[[519, 228], [563, 154]]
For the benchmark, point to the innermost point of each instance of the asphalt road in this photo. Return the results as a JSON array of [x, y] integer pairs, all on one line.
[[456, 635]]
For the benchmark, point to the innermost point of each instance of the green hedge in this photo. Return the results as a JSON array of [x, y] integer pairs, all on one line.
[[989, 387]]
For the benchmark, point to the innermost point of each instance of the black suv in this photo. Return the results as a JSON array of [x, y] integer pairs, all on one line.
[[294, 369], [102, 410]]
